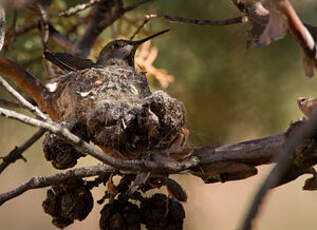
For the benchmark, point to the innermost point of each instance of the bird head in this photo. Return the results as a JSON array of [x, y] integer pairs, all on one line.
[[121, 52]]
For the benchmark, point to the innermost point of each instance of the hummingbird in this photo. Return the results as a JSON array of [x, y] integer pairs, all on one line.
[[118, 52]]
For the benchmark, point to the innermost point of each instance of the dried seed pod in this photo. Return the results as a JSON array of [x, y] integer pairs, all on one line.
[[160, 212], [175, 190], [120, 214], [61, 154], [62, 222], [66, 203], [310, 184], [77, 204]]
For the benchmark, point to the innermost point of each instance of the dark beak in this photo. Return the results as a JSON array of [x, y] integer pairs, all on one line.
[[139, 42]]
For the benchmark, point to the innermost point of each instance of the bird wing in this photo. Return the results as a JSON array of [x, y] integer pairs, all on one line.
[[68, 62]]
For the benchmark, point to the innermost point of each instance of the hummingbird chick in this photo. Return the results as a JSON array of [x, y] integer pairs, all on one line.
[[118, 52]]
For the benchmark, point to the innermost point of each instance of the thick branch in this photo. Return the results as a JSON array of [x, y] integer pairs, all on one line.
[[44, 181], [215, 160], [254, 152], [29, 83], [280, 170], [102, 15]]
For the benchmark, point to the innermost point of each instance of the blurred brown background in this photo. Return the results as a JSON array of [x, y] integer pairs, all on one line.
[[231, 94]]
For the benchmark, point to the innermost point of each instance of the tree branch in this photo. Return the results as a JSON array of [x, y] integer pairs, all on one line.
[[196, 21], [159, 165], [60, 39], [301, 35], [211, 161], [10, 104], [21, 99], [26, 28], [136, 5], [45, 181], [29, 83], [279, 171], [202, 22], [102, 15], [2, 26], [254, 152], [16, 153], [80, 7], [273, 23]]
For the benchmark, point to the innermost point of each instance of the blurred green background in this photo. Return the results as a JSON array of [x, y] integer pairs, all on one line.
[[231, 94]]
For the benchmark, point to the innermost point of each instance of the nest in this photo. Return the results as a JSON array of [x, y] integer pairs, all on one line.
[[118, 109]]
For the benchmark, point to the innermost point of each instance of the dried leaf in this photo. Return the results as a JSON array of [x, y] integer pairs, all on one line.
[[276, 27], [112, 189], [145, 57], [310, 184]]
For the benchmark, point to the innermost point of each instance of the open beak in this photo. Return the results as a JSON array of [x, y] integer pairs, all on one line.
[[139, 42]]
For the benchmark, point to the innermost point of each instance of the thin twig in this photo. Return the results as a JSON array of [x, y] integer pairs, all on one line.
[[10, 104], [2, 26], [145, 21], [136, 5], [26, 28], [159, 165], [80, 7], [11, 33], [60, 39], [22, 100], [196, 21], [16, 153], [45, 34], [45, 181], [283, 162], [44, 27]]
